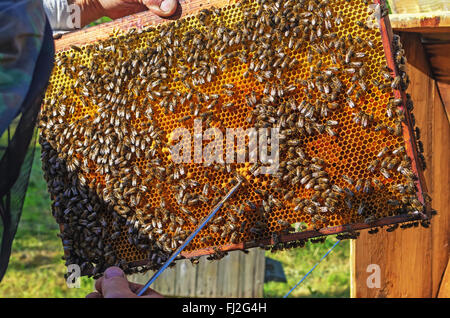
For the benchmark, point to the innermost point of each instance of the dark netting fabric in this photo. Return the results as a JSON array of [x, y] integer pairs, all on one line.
[[26, 60]]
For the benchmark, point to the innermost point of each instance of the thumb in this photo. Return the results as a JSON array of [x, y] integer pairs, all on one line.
[[163, 8], [115, 284]]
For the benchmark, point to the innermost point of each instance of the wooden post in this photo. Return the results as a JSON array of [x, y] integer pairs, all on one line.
[[412, 262], [236, 275], [444, 289]]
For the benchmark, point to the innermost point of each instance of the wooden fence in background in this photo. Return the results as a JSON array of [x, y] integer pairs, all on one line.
[[236, 275]]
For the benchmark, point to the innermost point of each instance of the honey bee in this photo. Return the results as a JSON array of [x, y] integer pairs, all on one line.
[[367, 186], [185, 211], [385, 173], [392, 163], [373, 230], [337, 189], [283, 223], [255, 230], [76, 48], [206, 239], [192, 219], [373, 165], [395, 84], [392, 228], [234, 237], [361, 208], [348, 193], [362, 24], [359, 184], [350, 102], [319, 218], [383, 152], [407, 172], [214, 228], [350, 70], [398, 150], [390, 129]]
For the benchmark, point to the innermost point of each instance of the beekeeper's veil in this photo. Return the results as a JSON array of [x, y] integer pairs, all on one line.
[[26, 60]]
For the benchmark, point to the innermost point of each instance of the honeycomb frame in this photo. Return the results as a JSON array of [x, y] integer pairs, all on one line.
[[383, 41]]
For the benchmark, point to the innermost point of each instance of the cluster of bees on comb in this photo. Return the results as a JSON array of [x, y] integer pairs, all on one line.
[[306, 67]]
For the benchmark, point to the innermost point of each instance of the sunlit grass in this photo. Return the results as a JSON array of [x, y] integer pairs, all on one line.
[[39, 274], [329, 279], [100, 21]]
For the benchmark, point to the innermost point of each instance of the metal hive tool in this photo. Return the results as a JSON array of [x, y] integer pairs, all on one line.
[[330, 74]]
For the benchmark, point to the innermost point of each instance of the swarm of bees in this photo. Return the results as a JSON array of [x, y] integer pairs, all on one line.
[[308, 67]]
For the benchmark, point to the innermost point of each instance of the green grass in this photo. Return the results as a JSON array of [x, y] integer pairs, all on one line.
[[100, 21], [331, 278], [36, 268]]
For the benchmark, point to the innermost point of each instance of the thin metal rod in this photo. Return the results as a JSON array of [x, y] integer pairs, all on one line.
[[306, 275], [189, 238]]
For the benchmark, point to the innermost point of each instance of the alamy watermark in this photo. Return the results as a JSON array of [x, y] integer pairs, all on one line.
[[73, 276], [263, 146], [374, 279], [73, 17]]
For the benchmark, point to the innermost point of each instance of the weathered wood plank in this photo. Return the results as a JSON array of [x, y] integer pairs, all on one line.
[[439, 58], [420, 23], [252, 271], [201, 278], [248, 279], [260, 266], [228, 278], [236, 275], [165, 284], [138, 21], [418, 6], [185, 280], [412, 261], [441, 198], [432, 119], [444, 289], [444, 92], [209, 276]]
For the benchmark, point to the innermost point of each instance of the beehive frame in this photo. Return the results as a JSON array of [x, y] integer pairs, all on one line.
[[382, 38]]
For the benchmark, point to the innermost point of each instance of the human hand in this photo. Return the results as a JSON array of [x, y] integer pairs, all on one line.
[[114, 284], [91, 10], [120, 8]]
